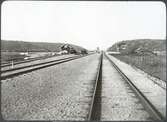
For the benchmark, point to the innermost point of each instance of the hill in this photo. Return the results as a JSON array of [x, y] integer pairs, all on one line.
[[146, 54], [21, 46], [139, 45]]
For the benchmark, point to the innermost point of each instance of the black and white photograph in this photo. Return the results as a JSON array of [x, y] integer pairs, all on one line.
[[83, 61]]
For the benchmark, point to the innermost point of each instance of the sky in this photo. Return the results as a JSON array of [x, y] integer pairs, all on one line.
[[90, 24]]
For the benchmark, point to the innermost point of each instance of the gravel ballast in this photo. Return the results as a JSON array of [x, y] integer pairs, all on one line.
[[60, 92], [119, 102]]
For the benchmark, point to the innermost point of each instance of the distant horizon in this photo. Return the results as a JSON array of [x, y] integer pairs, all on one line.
[[81, 45]]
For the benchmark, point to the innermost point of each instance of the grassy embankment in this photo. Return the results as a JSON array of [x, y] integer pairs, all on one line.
[[141, 53]]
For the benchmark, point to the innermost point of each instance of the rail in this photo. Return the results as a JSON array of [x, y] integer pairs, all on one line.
[[95, 106]]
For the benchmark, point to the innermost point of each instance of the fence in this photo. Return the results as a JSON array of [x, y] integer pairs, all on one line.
[[154, 65]]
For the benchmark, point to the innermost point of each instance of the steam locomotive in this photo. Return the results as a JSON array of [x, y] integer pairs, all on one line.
[[70, 50]]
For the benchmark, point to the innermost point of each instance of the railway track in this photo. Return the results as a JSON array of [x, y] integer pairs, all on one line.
[[95, 111], [96, 103], [8, 73], [25, 61], [32, 65]]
